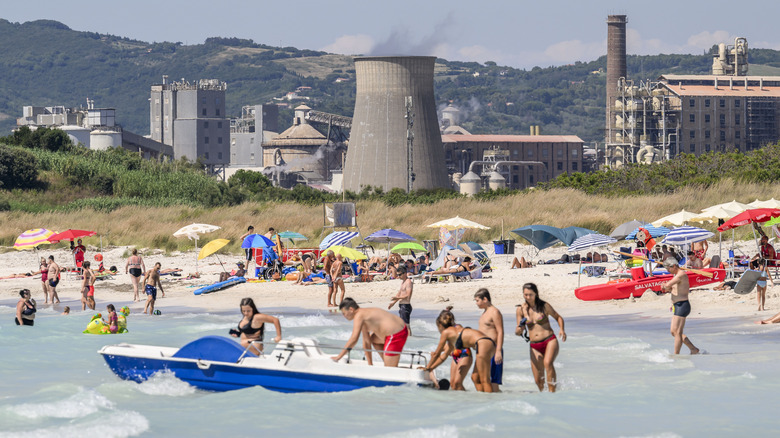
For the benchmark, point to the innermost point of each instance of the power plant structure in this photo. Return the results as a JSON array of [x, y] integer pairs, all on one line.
[[655, 120], [395, 140]]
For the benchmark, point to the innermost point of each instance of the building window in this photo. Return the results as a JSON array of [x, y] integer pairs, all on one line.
[[515, 179], [545, 153], [722, 135], [736, 103], [217, 111], [515, 152], [219, 140], [693, 118], [203, 111], [574, 153], [693, 134], [736, 119], [737, 134], [530, 153], [206, 125], [707, 103], [516, 168], [693, 148], [722, 103], [252, 141], [573, 166], [706, 134], [206, 155], [692, 103], [219, 155], [206, 140], [560, 165], [531, 179], [560, 153], [706, 118], [722, 120], [252, 156], [707, 147], [219, 125]]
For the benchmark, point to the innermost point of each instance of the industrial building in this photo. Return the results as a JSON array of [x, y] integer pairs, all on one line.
[[257, 124], [395, 140], [190, 117], [656, 120], [93, 128]]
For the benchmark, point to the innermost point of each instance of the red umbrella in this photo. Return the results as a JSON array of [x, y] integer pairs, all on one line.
[[749, 216], [70, 235]]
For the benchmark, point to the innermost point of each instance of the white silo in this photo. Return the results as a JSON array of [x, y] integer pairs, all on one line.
[[496, 181], [104, 139], [470, 184], [77, 134]]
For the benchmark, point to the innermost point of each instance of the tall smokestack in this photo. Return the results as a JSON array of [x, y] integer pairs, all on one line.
[[377, 152], [616, 64]]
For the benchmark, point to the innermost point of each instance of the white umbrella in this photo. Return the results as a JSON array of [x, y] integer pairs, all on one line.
[[769, 203], [733, 206], [589, 241], [679, 218], [456, 223], [193, 231]]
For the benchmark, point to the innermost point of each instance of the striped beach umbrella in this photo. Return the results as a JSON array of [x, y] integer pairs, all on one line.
[[32, 238], [685, 235], [591, 241], [337, 238]]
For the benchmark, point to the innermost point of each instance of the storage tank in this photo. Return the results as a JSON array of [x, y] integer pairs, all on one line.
[[470, 184], [77, 134], [377, 153], [102, 140], [456, 180], [496, 181]]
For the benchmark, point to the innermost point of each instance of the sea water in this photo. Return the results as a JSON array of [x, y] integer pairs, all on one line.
[[616, 376]]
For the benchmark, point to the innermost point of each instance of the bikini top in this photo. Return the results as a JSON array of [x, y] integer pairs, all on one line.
[[135, 261], [248, 330], [543, 318], [459, 341], [29, 309]]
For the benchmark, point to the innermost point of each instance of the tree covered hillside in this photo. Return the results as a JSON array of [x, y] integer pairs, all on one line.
[[46, 63]]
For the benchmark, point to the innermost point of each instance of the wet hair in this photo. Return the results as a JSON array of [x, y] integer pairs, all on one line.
[[85, 264], [446, 319], [135, 251], [66, 309], [540, 303], [111, 308], [348, 303], [483, 293], [251, 303]]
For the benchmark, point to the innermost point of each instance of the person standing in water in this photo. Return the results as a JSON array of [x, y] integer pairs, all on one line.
[[403, 298], [491, 323], [87, 287], [679, 287], [25, 309], [151, 283], [54, 279], [45, 279], [136, 268], [534, 316]]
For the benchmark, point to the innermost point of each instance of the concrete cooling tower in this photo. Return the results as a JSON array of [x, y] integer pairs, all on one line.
[[377, 153]]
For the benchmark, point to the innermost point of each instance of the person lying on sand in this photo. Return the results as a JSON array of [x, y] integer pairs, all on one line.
[[773, 320], [521, 264]]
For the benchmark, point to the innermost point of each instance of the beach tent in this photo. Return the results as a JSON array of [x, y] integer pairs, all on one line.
[[540, 236], [621, 231], [570, 234]]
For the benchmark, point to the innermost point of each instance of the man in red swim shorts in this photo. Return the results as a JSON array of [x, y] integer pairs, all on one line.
[[381, 329]]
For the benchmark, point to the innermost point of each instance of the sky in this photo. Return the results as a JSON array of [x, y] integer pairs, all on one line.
[[516, 33]]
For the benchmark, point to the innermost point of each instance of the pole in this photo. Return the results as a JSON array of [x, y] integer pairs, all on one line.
[[196, 255]]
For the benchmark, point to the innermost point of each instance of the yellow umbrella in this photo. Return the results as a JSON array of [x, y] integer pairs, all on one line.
[[347, 252], [457, 222], [212, 247], [32, 238]]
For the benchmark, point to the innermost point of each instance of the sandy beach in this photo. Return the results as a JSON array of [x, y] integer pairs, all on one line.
[[556, 284]]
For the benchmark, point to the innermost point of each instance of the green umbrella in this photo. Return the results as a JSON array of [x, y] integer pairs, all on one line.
[[292, 235], [773, 221], [414, 246]]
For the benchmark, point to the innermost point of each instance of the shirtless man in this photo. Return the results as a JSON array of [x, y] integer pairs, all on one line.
[[700, 251], [380, 328], [679, 287], [87, 287], [248, 251], [327, 264], [54, 279], [491, 323], [151, 283], [337, 279], [403, 298]]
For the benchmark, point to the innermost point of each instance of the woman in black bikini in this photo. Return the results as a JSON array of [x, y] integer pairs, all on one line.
[[25, 309], [454, 340], [252, 326], [534, 315], [135, 267]]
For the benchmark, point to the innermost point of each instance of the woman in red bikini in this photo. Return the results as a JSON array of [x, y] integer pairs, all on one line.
[[534, 316]]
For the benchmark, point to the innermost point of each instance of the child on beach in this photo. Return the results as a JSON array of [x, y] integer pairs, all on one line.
[[760, 265], [113, 319]]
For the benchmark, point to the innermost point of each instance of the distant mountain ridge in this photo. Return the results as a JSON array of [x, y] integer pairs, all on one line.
[[45, 63]]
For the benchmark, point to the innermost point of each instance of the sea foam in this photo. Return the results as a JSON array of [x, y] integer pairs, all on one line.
[[82, 404], [112, 425]]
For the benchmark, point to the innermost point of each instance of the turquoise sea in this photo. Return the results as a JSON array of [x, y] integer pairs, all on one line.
[[617, 379]]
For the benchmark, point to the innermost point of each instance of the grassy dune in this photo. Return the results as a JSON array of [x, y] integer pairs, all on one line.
[[154, 227]]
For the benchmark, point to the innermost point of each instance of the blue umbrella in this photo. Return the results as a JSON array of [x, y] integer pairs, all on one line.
[[571, 234], [685, 235], [389, 235], [257, 241], [540, 236], [654, 232]]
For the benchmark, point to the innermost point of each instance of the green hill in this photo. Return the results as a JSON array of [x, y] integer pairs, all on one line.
[[46, 63]]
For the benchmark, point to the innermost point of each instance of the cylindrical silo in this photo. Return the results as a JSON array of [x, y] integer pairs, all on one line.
[[616, 61], [101, 139], [496, 181], [377, 154], [470, 184]]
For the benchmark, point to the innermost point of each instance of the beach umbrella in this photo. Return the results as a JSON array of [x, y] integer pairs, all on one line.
[[654, 232], [212, 247], [32, 238], [540, 236], [457, 222], [593, 240], [389, 235], [769, 203], [70, 235], [685, 235], [412, 246], [292, 236], [733, 206], [257, 241], [347, 252], [570, 234], [337, 238], [621, 231], [714, 214], [773, 221], [193, 232], [756, 215], [679, 218]]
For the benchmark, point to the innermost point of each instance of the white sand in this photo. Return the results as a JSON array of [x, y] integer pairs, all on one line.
[[556, 285]]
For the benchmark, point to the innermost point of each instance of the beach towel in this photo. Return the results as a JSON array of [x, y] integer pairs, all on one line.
[[594, 271]]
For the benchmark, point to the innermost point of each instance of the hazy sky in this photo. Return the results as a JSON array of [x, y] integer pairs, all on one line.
[[519, 33]]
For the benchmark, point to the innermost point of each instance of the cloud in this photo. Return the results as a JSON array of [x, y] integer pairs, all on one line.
[[566, 52], [705, 40], [351, 45]]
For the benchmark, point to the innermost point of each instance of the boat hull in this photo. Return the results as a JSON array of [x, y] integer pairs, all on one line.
[[636, 288]]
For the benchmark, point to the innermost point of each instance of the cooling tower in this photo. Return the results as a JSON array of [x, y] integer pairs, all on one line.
[[616, 63], [377, 153]]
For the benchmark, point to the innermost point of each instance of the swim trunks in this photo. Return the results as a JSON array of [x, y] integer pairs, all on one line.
[[25, 321], [151, 290], [248, 252], [682, 308], [395, 343], [329, 280], [496, 370], [405, 312], [135, 272], [541, 346], [53, 282]]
